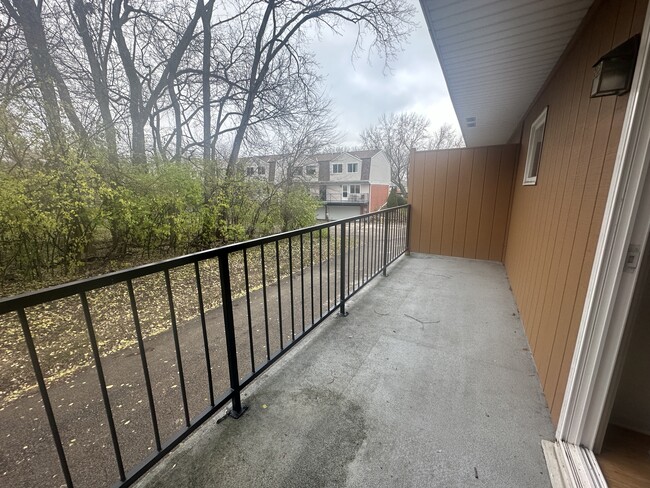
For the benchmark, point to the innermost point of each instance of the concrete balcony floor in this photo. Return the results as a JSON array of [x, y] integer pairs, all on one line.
[[428, 382]]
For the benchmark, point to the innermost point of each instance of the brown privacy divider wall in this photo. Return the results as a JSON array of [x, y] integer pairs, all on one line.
[[460, 201]]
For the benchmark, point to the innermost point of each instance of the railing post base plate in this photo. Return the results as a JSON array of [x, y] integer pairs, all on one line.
[[234, 414], [344, 314]]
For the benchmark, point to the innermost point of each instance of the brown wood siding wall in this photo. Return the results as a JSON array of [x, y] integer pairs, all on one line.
[[460, 201], [554, 225]]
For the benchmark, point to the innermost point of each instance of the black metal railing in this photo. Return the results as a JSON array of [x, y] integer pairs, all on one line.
[[271, 292]]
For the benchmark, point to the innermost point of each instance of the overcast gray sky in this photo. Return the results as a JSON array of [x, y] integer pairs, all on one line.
[[362, 91]]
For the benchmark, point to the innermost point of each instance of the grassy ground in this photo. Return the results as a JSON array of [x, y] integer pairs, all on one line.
[[60, 332]]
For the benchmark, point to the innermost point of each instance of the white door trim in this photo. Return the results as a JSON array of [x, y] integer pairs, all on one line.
[[626, 221]]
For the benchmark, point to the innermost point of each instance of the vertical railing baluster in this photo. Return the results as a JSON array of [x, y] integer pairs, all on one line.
[[204, 331], [336, 258], [320, 271], [348, 273], [342, 311], [374, 245], [291, 301], [329, 258], [408, 230], [145, 367], [229, 329], [311, 273], [365, 249], [278, 276], [29, 341], [248, 310], [302, 281], [266, 305], [177, 346], [353, 269], [385, 263], [102, 384]]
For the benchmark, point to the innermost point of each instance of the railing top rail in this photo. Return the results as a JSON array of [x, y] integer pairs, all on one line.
[[37, 297]]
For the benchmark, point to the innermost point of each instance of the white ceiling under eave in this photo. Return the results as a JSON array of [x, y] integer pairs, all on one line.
[[496, 55]]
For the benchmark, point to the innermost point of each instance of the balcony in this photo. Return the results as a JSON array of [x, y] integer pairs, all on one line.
[[352, 198], [427, 381]]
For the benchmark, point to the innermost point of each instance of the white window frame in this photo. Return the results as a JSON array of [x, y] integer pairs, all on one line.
[[250, 171], [536, 137], [311, 170], [356, 189], [354, 166], [336, 166], [261, 170], [344, 192]]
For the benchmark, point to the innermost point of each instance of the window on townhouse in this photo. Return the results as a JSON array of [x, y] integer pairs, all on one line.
[[250, 171], [355, 189], [344, 192], [261, 170], [311, 170], [535, 143], [337, 168], [297, 171], [353, 167]]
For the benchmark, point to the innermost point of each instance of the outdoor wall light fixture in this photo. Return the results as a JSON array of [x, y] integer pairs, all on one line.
[[614, 71]]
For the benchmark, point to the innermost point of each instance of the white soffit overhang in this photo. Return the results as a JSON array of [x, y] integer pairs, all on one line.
[[496, 55]]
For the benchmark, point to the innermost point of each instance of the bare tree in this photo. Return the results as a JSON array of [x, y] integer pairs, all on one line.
[[445, 137], [397, 134], [282, 23]]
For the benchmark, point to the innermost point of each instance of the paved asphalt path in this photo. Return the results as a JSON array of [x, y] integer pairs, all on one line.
[[27, 454]]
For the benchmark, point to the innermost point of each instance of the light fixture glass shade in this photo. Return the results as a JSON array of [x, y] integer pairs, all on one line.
[[614, 71]]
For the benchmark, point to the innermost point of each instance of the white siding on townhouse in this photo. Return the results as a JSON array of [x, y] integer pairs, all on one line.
[[344, 159], [380, 169]]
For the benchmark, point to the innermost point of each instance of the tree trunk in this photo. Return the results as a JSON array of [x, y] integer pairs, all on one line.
[[99, 82], [136, 104], [207, 113], [27, 16]]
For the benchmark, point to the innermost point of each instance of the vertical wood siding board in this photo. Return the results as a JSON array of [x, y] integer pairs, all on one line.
[[434, 197], [427, 201], [567, 182], [421, 183], [430, 180], [464, 181], [515, 235], [487, 202], [585, 221], [453, 229], [470, 242], [511, 192], [453, 158], [476, 197], [532, 197], [499, 217], [592, 151], [420, 190], [438, 202], [563, 104], [545, 341], [415, 198]]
